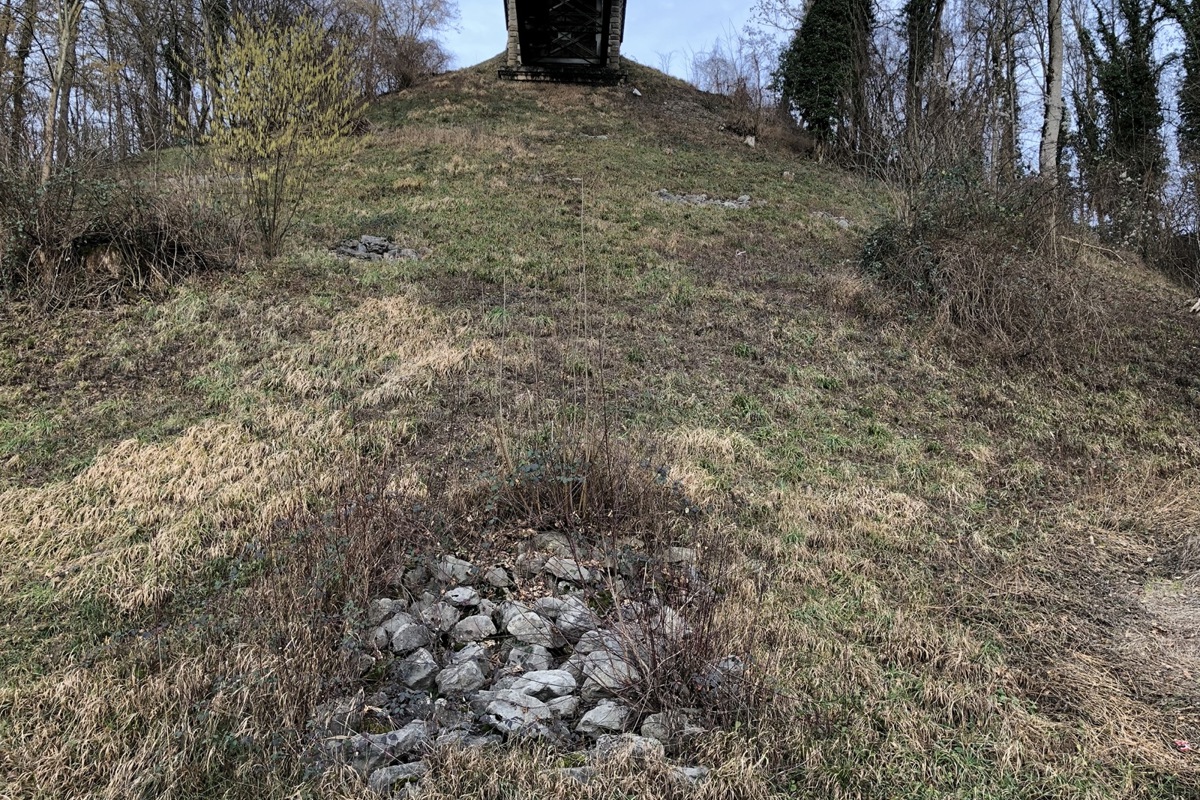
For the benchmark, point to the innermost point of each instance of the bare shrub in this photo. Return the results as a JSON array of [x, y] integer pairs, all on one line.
[[738, 66], [776, 127], [990, 262], [94, 238], [667, 568], [408, 59], [1175, 252], [393, 44]]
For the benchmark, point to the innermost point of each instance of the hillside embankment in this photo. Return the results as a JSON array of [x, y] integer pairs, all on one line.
[[946, 572]]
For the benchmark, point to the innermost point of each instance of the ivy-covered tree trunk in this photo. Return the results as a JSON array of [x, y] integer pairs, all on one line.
[[822, 74], [1127, 162], [1186, 13]]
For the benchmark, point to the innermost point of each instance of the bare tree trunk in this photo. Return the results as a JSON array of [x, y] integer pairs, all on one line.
[[373, 54], [64, 102], [214, 23], [8, 23], [1048, 161], [16, 150], [119, 140], [995, 105], [69, 13], [1008, 155], [923, 102]]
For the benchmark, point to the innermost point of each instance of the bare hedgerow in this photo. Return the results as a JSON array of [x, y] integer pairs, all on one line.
[[93, 235], [992, 262]]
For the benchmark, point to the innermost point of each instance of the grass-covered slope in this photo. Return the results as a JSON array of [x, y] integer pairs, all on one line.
[[958, 577]]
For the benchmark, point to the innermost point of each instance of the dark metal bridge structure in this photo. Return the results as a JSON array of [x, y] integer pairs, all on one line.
[[577, 41]]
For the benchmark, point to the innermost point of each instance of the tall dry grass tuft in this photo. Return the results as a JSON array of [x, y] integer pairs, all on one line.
[[581, 479], [992, 263]]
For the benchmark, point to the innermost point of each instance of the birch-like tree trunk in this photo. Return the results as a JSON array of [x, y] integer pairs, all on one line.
[[1048, 161]]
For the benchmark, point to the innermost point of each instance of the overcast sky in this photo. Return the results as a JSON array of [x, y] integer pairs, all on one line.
[[651, 27]]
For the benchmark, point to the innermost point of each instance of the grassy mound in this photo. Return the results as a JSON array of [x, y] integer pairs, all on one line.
[[960, 576]]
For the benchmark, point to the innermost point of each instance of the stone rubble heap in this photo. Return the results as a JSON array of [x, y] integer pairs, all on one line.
[[825, 216], [463, 663], [375, 248], [703, 200]]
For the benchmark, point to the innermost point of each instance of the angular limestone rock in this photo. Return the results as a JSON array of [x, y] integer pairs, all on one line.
[[511, 711], [472, 629], [409, 637], [544, 684], [367, 752], [610, 671], [530, 658], [385, 779], [450, 569], [460, 679], [417, 669], [462, 596], [607, 717], [626, 745], [526, 626]]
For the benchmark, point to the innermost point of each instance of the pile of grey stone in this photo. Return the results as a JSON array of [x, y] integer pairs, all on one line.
[[462, 657], [375, 248], [825, 216], [703, 200]]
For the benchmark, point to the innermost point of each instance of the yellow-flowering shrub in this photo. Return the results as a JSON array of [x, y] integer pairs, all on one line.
[[283, 99]]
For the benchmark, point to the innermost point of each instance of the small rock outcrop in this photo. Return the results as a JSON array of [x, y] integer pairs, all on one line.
[[473, 658], [741, 202], [375, 248]]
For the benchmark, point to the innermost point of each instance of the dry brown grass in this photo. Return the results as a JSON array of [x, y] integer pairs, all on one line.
[[144, 514], [689, 447], [991, 263], [1088, 639], [934, 563], [180, 706], [734, 775], [222, 697]]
